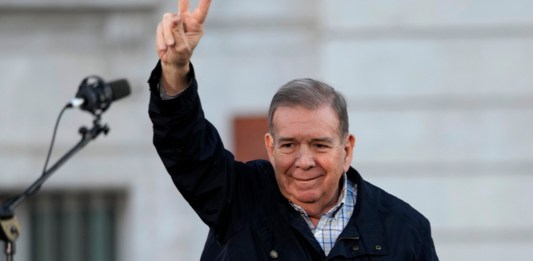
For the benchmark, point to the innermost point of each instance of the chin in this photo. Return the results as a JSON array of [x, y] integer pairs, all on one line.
[[306, 197]]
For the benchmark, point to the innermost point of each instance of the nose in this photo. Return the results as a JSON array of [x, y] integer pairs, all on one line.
[[304, 158]]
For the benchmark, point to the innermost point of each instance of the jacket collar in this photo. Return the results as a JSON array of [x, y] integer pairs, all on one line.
[[364, 233]]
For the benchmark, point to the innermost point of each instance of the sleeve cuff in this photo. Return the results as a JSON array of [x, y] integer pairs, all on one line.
[[155, 82], [164, 96]]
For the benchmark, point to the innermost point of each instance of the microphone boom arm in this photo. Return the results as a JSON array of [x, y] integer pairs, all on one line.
[[9, 227]]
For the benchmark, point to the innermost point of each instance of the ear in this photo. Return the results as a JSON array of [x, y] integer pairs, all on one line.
[[349, 145], [269, 144]]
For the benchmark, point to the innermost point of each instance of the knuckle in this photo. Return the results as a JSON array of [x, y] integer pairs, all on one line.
[[167, 16]]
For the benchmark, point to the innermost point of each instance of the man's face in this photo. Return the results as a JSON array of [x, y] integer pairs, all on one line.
[[308, 155]]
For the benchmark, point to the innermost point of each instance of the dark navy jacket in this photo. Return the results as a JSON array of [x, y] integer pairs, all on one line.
[[248, 217]]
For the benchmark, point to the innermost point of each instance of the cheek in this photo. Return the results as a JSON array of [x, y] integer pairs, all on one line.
[[281, 162], [337, 163], [282, 168]]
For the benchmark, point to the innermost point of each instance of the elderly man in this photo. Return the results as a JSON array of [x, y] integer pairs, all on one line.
[[306, 202]]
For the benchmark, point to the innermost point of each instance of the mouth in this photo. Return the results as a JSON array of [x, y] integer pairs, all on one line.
[[306, 179], [306, 184]]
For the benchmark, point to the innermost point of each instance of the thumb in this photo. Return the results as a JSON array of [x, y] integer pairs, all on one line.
[[179, 31], [182, 51]]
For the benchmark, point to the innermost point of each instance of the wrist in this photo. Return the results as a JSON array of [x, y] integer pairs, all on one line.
[[174, 79]]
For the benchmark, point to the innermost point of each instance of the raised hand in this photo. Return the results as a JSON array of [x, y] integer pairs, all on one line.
[[176, 37]]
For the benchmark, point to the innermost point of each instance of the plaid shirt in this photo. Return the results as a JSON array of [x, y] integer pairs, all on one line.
[[335, 220]]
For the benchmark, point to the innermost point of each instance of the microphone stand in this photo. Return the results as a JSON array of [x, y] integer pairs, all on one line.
[[10, 228]]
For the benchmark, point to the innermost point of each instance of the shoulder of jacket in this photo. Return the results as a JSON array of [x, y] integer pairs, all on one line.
[[391, 206]]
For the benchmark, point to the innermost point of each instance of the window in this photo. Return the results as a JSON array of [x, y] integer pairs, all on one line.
[[66, 226], [249, 138]]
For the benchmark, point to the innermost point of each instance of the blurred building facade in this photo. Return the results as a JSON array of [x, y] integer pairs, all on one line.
[[440, 99]]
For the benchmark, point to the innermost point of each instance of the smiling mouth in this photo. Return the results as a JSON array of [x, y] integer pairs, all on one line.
[[306, 179]]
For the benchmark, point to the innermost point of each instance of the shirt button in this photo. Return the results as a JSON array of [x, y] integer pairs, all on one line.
[[355, 248], [378, 247], [274, 254]]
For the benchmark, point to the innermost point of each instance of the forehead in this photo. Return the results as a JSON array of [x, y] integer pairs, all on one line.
[[298, 121]]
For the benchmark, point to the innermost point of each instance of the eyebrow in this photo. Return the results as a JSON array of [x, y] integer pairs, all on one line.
[[323, 139], [285, 139]]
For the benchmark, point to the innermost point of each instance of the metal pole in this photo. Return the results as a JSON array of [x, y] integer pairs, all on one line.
[[10, 250]]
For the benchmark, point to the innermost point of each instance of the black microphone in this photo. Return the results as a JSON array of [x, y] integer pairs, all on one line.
[[95, 95]]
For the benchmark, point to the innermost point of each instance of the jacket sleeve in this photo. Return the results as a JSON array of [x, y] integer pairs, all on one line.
[[192, 151], [427, 251]]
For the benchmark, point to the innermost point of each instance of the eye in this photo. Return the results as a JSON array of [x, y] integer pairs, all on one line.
[[287, 147], [321, 147]]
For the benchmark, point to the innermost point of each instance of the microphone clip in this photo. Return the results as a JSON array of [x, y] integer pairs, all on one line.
[[94, 94]]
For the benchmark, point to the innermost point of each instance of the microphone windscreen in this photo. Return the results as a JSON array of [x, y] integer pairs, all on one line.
[[119, 88]]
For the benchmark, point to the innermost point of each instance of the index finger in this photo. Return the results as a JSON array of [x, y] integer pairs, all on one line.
[[201, 11], [183, 6]]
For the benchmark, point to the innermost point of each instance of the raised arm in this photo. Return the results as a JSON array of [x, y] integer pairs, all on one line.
[[176, 37]]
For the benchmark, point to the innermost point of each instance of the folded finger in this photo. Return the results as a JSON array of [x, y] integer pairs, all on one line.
[[168, 24], [160, 38], [178, 32]]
